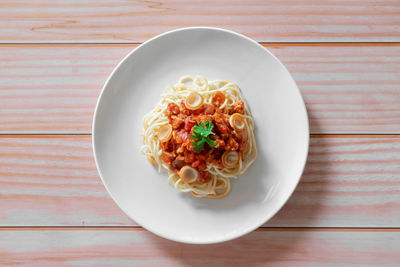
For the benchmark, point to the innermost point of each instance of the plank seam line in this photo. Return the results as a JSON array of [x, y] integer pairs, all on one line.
[[139, 228], [44, 134], [377, 43], [350, 134]]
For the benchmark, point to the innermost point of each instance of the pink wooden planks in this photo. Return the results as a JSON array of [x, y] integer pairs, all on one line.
[[348, 182], [52, 180], [347, 89], [54, 88], [136, 21], [137, 247]]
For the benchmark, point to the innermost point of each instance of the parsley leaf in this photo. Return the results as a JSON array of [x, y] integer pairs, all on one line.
[[201, 133]]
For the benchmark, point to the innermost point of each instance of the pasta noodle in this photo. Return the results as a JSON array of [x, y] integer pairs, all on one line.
[[217, 184]]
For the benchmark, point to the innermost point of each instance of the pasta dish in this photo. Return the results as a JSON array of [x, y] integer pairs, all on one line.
[[202, 133]]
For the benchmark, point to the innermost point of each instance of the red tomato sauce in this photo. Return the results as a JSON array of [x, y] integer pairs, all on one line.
[[179, 150]]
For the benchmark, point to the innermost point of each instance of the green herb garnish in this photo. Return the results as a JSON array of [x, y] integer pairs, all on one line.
[[201, 133]]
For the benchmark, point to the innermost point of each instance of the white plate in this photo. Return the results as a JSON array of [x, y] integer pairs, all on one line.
[[134, 88]]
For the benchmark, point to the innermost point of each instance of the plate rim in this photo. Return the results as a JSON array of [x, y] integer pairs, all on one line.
[[237, 234]]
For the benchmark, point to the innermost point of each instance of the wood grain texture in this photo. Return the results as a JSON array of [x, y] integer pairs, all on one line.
[[141, 248], [54, 88], [52, 181], [136, 21]]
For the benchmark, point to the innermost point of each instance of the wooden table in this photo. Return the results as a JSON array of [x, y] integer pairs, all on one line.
[[55, 56]]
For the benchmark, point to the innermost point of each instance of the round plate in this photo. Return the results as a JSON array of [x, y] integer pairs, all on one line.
[[134, 88]]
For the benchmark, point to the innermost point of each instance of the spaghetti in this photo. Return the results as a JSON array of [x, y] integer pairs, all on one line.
[[202, 133]]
